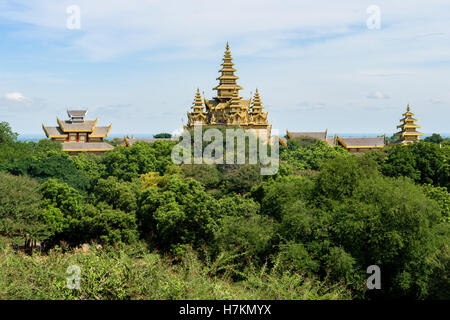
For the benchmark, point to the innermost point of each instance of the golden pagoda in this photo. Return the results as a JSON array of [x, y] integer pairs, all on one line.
[[228, 108], [408, 128]]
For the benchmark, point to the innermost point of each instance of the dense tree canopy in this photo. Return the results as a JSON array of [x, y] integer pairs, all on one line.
[[425, 163], [325, 216]]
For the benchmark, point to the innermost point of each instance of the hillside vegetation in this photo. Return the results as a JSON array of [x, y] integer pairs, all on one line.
[[160, 231]]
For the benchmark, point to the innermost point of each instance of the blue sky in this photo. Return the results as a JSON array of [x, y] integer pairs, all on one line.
[[137, 63]]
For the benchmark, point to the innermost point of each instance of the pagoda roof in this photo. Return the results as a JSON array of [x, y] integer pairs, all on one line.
[[100, 132], [405, 133], [230, 86], [86, 146], [408, 119], [226, 77], [315, 135], [406, 125], [53, 132], [85, 126], [377, 142]]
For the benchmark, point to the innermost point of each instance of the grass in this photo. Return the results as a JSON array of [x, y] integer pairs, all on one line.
[[132, 272]]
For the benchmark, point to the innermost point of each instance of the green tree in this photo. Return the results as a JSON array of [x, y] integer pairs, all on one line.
[[6, 134], [51, 164], [162, 136], [127, 163], [20, 212], [84, 222], [310, 154], [180, 213], [120, 195], [434, 138], [425, 163]]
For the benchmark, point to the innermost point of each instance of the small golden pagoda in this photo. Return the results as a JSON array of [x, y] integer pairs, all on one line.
[[408, 128], [228, 108]]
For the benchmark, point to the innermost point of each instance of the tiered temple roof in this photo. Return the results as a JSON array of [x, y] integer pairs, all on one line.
[[79, 135]]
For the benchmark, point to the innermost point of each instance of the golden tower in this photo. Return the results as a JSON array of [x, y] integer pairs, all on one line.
[[228, 108], [408, 128], [227, 85]]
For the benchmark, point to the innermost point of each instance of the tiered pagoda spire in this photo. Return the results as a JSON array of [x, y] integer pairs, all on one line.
[[197, 106], [229, 108], [227, 84], [256, 104], [197, 116], [258, 117], [408, 128]]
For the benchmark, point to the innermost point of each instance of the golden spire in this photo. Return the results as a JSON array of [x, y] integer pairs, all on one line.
[[227, 83], [198, 104], [407, 108], [257, 104]]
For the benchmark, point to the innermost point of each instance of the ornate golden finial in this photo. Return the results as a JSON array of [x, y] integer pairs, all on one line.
[[407, 108], [228, 46]]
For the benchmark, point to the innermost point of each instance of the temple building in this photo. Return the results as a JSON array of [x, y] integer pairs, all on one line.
[[228, 108], [322, 136], [79, 135], [353, 145], [408, 133], [360, 145]]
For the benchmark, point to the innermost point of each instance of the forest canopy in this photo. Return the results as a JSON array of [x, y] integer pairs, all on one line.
[[320, 221]]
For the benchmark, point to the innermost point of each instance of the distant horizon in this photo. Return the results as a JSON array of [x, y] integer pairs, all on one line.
[[39, 136]]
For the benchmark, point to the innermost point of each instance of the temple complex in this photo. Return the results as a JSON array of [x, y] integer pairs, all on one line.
[[228, 108], [79, 135], [408, 133]]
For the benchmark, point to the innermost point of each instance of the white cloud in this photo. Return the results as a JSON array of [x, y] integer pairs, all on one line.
[[201, 24], [16, 97], [377, 95]]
